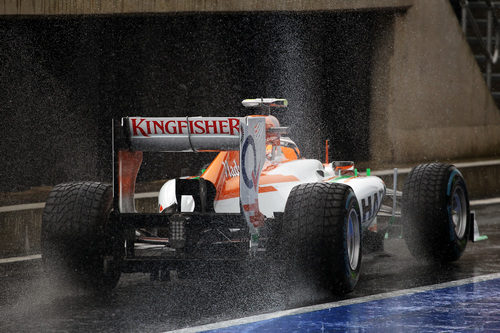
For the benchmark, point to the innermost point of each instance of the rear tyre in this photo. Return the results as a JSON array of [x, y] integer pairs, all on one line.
[[322, 228], [77, 245], [435, 212]]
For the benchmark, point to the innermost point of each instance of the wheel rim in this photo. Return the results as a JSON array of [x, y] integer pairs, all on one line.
[[459, 211], [353, 239]]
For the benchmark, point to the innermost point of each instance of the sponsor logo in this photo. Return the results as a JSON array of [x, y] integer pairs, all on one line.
[[164, 126], [257, 219], [249, 182], [231, 170], [369, 206]]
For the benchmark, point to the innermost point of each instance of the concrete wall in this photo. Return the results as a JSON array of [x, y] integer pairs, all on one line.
[[64, 78], [62, 7], [20, 232], [429, 100]]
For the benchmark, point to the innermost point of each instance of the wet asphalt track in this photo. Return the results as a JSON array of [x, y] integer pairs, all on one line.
[[30, 303]]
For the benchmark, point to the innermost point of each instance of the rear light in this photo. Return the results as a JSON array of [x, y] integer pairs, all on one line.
[[177, 232]]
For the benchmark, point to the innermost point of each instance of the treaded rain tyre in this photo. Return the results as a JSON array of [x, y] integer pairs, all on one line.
[[75, 240], [317, 229], [435, 212]]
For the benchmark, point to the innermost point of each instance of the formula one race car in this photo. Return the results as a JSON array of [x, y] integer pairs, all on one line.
[[258, 199]]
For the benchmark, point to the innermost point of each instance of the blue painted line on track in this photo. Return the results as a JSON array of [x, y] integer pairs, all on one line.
[[473, 307]]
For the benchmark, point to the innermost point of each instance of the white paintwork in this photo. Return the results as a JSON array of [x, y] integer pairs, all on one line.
[[180, 134], [270, 202], [187, 203], [369, 190], [166, 197], [228, 206]]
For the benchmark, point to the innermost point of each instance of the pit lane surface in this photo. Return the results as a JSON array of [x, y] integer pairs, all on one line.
[[28, 302]]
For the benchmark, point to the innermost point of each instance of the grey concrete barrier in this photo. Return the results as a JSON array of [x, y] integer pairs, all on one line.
[[21, 224], [20, 232]]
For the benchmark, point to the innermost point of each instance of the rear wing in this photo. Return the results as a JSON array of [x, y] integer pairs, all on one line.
[[134, 135], [187, 134]]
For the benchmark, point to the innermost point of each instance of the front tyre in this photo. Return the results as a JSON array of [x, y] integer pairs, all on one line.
[[322, 228], [435, 212]]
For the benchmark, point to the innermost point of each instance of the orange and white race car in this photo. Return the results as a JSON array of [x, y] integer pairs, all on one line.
[[258, 199]]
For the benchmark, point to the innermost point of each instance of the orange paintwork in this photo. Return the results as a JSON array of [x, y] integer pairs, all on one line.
[[229, 187], [129, 163], [345, 167], [215, 171], [327, 148], [229, 190], [264, 189], [223, 172], [288, 154], [273, 179]]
